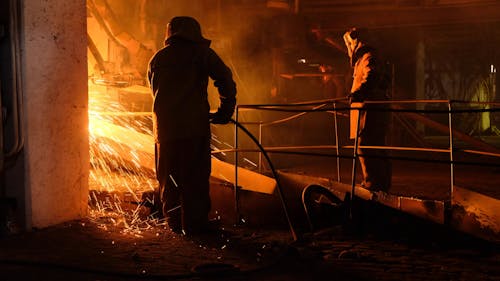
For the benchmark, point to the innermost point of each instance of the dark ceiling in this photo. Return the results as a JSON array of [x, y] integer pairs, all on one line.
[[390, 13], [445, 21], [463, 26]]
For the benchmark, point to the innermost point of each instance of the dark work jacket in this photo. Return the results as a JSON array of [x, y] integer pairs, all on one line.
[[178, 75]]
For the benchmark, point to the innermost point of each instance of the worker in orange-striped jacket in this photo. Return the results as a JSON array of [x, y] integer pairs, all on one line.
[[370, 83]]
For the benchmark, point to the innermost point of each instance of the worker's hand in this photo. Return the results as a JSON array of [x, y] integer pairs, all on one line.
[[218, 118]]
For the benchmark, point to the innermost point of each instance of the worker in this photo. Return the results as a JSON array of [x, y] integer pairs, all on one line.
[[370, 83], [178, 75]]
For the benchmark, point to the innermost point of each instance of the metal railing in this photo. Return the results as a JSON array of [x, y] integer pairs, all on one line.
[[332, 106]]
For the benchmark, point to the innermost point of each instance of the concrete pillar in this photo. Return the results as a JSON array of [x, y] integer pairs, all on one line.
[[54, 75]]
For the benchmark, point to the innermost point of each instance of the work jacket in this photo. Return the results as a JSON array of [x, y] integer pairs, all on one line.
[[178, 75], [370, 82], [369, 77]]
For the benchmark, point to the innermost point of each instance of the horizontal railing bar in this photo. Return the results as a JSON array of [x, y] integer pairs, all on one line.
[[437, 161], [285, 148], [254, 106], [380, 110], [481, 152], [401, 148]]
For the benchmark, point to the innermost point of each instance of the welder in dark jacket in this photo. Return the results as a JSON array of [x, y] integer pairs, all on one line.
[[370, 83], [178, 75]]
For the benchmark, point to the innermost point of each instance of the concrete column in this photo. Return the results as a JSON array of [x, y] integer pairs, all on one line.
[[54, 74]]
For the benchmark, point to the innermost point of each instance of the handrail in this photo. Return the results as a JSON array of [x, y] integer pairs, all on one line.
[[291, 117], [302, 153], [318, 106], [481, 152], [275, 108], [335, 109], [315, 102]]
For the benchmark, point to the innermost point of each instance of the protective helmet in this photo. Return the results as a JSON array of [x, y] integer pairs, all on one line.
[[351, 40], [185, 27]]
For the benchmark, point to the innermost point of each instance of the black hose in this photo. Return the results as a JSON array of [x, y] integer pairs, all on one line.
[[275, 174]]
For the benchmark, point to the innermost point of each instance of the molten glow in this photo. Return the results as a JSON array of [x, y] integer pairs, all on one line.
[[121, 163], [120, 137]]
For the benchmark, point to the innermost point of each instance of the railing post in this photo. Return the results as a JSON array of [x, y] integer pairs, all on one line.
[[260, 141], [452, 175], [336, 139], [236, 195]]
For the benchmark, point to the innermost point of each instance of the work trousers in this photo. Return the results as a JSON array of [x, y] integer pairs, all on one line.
[[375, 164], [183, 171]]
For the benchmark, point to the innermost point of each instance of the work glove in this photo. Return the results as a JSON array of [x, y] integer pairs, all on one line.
[[218, 118]]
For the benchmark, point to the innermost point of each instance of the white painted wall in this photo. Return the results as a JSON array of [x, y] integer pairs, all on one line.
[[54, 74]]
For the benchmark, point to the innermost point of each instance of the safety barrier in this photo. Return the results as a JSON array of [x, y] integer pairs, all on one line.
[[340, 107]]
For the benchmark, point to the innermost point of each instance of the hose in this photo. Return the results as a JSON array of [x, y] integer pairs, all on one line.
[[276, 177]]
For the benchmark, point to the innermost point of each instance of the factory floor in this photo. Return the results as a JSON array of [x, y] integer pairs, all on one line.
[[121, 241], [84, 250], [384, 245]]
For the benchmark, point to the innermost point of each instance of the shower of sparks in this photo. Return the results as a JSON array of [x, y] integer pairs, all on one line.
[[228, 145], [215, 148], [173, 180], [224, 178], [120, 170], [174, 208], [214, 138], [250, 162]]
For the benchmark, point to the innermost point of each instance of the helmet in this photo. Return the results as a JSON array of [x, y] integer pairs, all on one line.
[[185, 27], [351, 40]]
